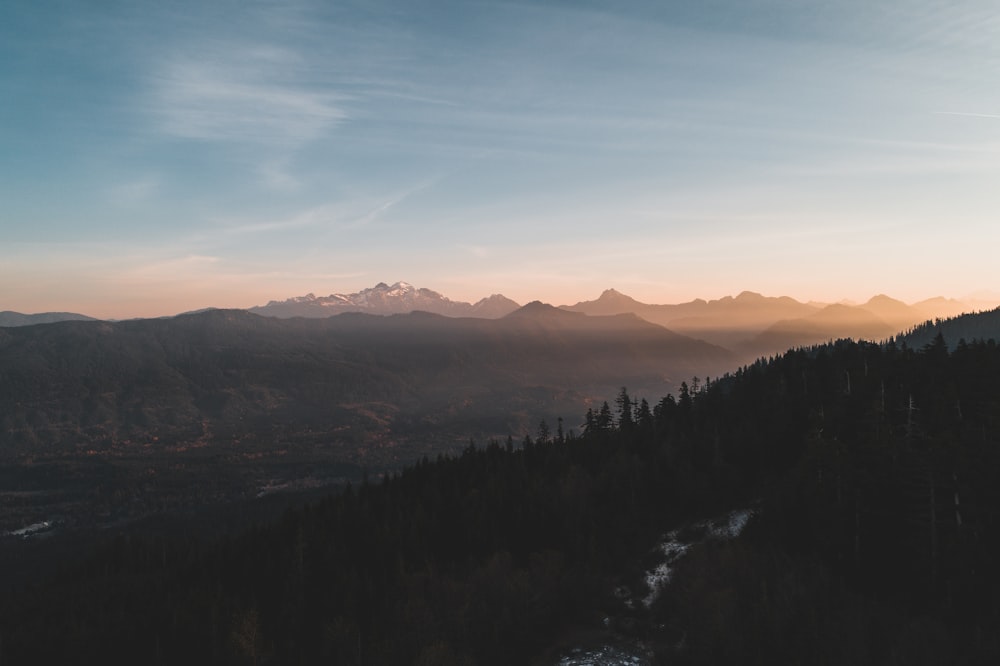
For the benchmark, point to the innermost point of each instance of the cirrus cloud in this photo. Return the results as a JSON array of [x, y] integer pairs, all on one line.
[[249, 95]]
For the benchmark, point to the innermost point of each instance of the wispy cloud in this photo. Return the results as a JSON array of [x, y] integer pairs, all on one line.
[[249, 96], [179, 268], [351, 213], [392, 201], [332, 214]]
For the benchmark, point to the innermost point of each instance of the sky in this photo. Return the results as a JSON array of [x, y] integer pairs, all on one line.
[[159, 157]]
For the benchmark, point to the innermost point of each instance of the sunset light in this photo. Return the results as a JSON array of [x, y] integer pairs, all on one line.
[[162, 157]]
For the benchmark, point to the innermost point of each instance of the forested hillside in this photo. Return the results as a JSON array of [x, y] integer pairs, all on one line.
[[875, 468]]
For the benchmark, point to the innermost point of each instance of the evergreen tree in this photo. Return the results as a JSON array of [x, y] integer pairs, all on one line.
[[626, 420], [604, 419]]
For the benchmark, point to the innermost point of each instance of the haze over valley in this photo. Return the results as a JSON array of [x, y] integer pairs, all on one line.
[[310, 391]]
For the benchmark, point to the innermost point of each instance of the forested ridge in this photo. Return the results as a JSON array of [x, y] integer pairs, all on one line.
[[875, 468]]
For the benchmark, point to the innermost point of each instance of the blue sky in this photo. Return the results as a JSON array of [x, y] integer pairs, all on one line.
[[159, 157]]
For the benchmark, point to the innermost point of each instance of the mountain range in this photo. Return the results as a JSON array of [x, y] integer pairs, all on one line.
[[384, 299], [750, 325]]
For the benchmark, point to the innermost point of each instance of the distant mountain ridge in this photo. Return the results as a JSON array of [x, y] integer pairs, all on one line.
[[700, 318], [753, 325], [749, 324], [384, 299], [10, 319]]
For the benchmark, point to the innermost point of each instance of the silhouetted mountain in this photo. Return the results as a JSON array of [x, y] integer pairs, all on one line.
[[746, 310], [878, 319], [727, 321], [544, 312], [10, 319], [354, 379], [833, 322], [610, 302], [493, 307], [383, 299], [897, 314], [753, 325], [943, 308]]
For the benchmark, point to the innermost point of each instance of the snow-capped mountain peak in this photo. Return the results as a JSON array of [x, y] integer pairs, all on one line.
[[385, 299]]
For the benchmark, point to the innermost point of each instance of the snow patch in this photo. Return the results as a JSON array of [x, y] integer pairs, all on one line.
[[677, 542], [672, 549], [605, 655], [30, 530]]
